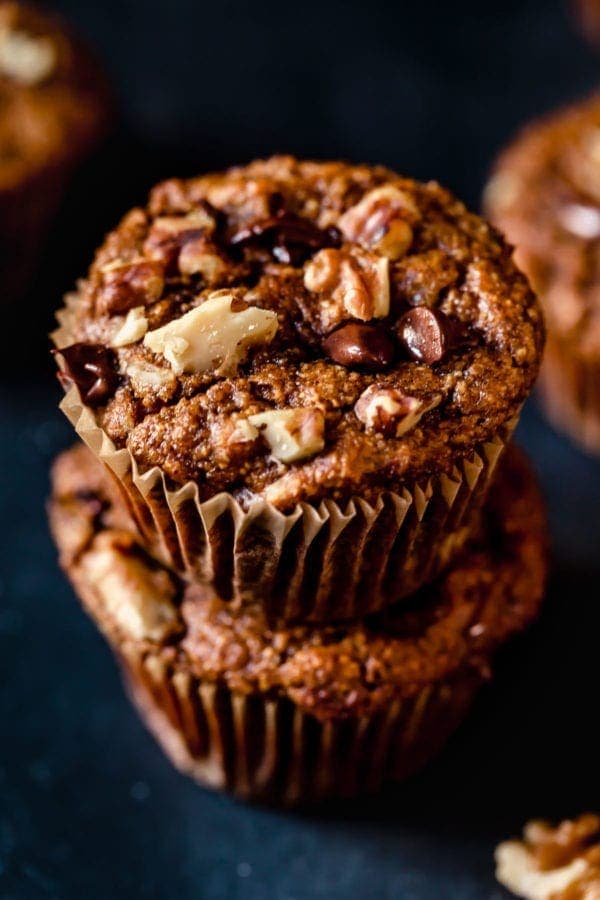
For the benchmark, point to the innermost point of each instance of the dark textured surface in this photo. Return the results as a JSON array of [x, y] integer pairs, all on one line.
[[88, 805]]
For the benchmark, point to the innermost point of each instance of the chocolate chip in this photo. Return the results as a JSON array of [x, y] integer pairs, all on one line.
[[367, 346], [290, 238], [92, 368], [425, 334]]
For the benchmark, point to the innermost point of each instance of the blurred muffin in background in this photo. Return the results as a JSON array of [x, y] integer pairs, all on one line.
[[545, 195], [54, 109], [588, 16]]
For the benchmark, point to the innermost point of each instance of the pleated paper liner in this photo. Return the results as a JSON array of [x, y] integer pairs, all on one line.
[[569, 389], [270, 750], [317, 563]]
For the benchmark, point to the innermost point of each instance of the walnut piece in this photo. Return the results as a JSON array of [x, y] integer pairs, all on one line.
[[292, 434], [214, 336], [517, 870], [138, 598], [199, 256], [133, 328], [145, 376], [380, 221], [389, 411], [125, 285], [351, 284]]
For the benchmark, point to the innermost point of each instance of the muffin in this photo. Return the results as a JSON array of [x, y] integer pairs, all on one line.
[[302, 375], [296, 714], [54, 109], [553, 863], [587, 13], [545, 195]]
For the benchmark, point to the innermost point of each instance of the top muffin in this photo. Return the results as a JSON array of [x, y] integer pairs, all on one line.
[[298, 330], [545, 194]]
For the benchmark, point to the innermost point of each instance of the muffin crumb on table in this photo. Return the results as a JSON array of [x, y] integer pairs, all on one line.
[[553, 863]]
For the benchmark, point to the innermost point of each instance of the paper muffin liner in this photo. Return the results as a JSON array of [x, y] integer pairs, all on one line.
[[569, 390], [269, 749], [316, 563]]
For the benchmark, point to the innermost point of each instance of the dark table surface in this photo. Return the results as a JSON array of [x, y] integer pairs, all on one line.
[[89, 807]]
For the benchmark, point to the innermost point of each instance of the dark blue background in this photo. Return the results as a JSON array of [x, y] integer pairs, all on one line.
[[88, 805]]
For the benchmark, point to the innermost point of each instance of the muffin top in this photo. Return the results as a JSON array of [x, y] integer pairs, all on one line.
[[53, 100], [545, 195], [493, 590], [298, 330]]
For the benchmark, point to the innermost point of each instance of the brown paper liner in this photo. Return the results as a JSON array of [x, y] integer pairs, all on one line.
[[317, 563], [270, 750], [569, 390]]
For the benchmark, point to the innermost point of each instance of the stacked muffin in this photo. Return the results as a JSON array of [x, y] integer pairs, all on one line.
[[300, 380]]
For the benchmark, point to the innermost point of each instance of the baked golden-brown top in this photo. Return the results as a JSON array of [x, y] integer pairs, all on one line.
[[493, 590], [54, 102], [553, 863], [545, 195], [299, 330]]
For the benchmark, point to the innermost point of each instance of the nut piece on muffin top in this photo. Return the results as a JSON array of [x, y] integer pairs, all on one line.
[[298, 330]]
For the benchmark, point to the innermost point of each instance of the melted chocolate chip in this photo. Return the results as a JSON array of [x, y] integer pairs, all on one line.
[[290, 238], [425, 334], [365, 346], [92, 368]]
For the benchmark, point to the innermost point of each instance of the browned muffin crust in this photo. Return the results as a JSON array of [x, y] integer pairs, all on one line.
[[559, 862], [491, 592], [545, 195], [394, 323], [54, 102]]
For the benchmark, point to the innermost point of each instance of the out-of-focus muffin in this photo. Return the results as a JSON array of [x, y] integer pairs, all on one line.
[[545, 195], [54, 109]]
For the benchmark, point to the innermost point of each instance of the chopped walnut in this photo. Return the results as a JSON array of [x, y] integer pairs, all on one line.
[[379, 221], [292, 434], [133, 328], [561, 863], [169, 236], [199, 256], [215, 335], [146, 377], [389, 411], [138, 598], [126, 285], [351, 284]]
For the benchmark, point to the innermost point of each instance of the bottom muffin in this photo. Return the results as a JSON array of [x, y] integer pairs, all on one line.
[[301, 713]]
